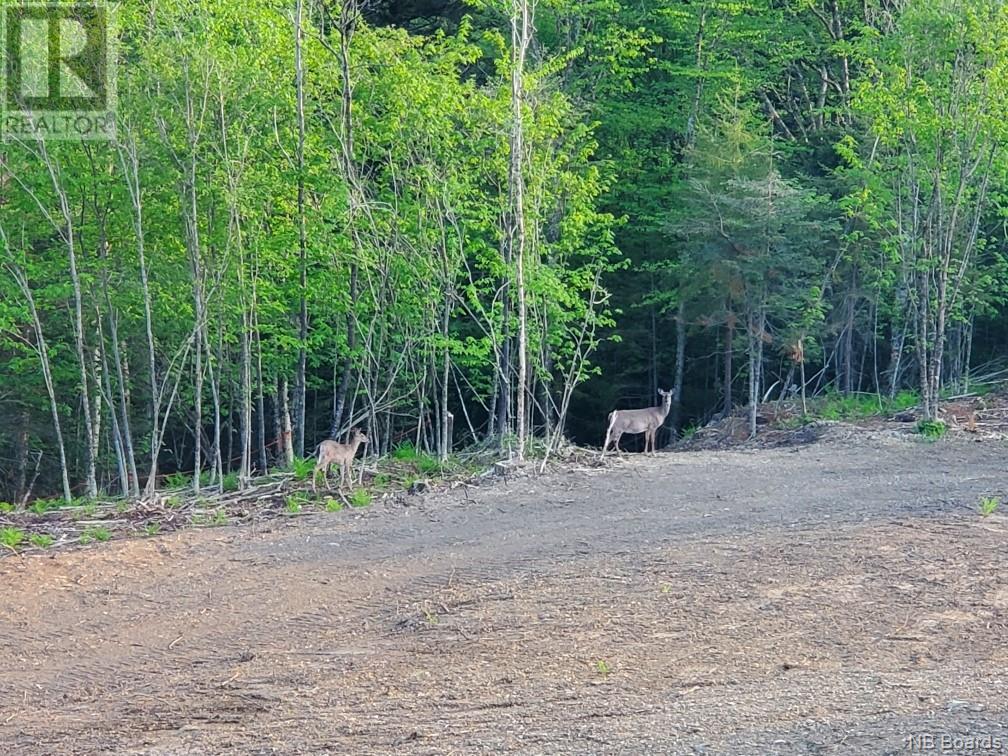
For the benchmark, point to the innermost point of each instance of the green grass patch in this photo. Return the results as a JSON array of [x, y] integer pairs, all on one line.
[[152, 529], [184, 480], [332, 505], [6, 506], [178, 480], [975, 389], [360, 498], [932, 430], [41, 540], [41, 506], [836, 406], [295, 503], [423, 462], [211, 516], [988, 505], [303, 468], [904, 400], [853, 407], [95, 534], [11, 537], [689, 431], [230, 482]]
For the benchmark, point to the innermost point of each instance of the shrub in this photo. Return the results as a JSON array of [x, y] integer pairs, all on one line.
[[932, 430], [95, 534], [11, 537], [988, 505], [303, 468], [360, 498], [41, 540], [178, 480], [424, 463], [41, 506]]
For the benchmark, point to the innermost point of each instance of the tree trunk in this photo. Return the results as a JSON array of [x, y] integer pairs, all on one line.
[[130, 161], [349, 12], [677, 390], [260, 400], [848, 345], [285, 425], [43, 353], [21, 455], [300, 380], [68, 234], [445, 446], [521, 36], [117, 439], [728, 346]]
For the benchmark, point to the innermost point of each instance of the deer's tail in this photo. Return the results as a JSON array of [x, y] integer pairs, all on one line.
[[612, 421]]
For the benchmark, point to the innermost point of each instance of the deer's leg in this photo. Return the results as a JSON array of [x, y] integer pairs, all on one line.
[[605, 445]]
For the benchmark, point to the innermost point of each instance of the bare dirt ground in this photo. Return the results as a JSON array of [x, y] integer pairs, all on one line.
[[839, 597]]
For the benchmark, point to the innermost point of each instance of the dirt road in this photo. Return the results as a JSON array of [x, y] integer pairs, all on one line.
[[841, 597]]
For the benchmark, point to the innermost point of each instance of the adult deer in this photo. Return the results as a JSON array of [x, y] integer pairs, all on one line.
[[331, 452], [646, 421]]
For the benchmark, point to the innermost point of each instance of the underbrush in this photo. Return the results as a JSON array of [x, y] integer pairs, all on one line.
[[835, 406], [932, 430], [48, 523]]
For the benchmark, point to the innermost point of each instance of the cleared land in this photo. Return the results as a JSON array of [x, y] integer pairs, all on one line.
[[837, 597]]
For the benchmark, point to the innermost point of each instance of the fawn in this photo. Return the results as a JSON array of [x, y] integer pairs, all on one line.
[[331, 452]]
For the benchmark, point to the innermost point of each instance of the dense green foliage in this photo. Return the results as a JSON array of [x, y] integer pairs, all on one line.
[[294, 234]]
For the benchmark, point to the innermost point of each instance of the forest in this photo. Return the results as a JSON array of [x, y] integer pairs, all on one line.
[[456, 223]]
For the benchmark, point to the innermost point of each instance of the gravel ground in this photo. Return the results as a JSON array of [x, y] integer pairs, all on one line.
[[842, 597]]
